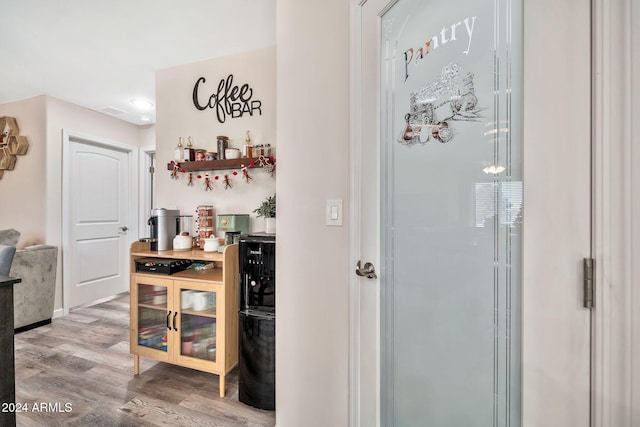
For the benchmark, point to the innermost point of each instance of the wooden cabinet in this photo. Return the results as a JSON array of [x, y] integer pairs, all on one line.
[[189, 318]]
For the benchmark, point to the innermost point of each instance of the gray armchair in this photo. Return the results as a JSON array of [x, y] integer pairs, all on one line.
[[6, 256], [33, 299]]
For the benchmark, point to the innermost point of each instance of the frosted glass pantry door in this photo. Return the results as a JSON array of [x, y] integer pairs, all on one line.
[[452, 213], [473, 321]]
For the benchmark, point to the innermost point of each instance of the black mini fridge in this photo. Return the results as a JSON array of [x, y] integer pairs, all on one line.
[[257, 323]]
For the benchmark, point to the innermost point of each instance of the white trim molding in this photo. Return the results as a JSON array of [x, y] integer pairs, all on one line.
[[146, 184], [616, 368]]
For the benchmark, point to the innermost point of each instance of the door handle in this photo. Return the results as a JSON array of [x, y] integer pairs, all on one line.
[[124, 228], [368, 271], [168, 315], [174, 321]]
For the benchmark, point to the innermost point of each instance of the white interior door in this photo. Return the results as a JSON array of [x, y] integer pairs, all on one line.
[[472, 197], [97, 201]]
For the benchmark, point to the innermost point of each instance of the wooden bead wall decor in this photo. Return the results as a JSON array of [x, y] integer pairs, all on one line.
[[12, 144]]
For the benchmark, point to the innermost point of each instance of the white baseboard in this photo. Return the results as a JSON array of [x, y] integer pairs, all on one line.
[[58, 313]]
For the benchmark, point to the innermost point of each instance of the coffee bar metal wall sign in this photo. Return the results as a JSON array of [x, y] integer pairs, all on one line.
[[440, 96], [227, 99]]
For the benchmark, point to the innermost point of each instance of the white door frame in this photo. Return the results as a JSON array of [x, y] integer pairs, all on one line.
[[132, 152], [355, 201], [145, 188], [616, 65], [355, 235]]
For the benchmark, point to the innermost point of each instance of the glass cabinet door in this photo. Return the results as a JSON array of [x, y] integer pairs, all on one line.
[[154, 318], [198, 323]]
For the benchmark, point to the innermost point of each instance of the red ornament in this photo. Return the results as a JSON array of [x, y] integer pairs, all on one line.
[[235, 173], [252, 163], [216, 177]]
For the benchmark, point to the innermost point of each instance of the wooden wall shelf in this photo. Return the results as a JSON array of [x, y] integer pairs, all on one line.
[[206, 165]]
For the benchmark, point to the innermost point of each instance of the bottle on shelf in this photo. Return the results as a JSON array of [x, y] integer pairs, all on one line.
[[179, 151], [189, 152], [248, 148]]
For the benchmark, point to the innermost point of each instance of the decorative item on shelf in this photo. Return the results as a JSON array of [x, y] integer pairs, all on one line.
[[178, 155], [231, 153], [208, 185], [245, 174], [227, 182], [267, 210], [223, 144], [266, 163], [174, 170], [189, 151], [12, 144], [200, 155], [248, 148]]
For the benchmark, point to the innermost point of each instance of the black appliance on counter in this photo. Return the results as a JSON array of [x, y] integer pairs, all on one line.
[[161, 265], [257, 323]]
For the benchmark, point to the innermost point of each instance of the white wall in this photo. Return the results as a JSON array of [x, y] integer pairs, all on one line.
[[22, 190], [312, 322], [177, 117]]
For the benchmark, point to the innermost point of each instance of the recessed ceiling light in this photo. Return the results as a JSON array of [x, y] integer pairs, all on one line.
[[142, 104]]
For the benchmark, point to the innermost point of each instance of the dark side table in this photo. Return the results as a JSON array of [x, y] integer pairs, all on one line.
[[7, 362]]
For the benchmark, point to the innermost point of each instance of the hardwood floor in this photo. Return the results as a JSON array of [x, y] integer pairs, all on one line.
[[77, 371]]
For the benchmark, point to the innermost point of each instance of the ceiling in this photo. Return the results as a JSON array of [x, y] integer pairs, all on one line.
[[103, 54]]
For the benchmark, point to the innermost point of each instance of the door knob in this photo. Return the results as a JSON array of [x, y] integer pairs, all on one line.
[[368, 271], [124, 228]]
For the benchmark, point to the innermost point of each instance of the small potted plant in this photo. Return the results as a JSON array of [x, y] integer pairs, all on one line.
[[267, 210]]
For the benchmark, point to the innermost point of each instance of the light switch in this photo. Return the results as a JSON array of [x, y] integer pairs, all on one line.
[[334, 212]]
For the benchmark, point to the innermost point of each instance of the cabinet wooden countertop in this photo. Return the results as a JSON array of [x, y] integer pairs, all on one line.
[[194, 254], [208, 276]]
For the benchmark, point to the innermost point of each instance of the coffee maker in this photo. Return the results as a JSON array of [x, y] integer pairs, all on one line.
[[164, 225]]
